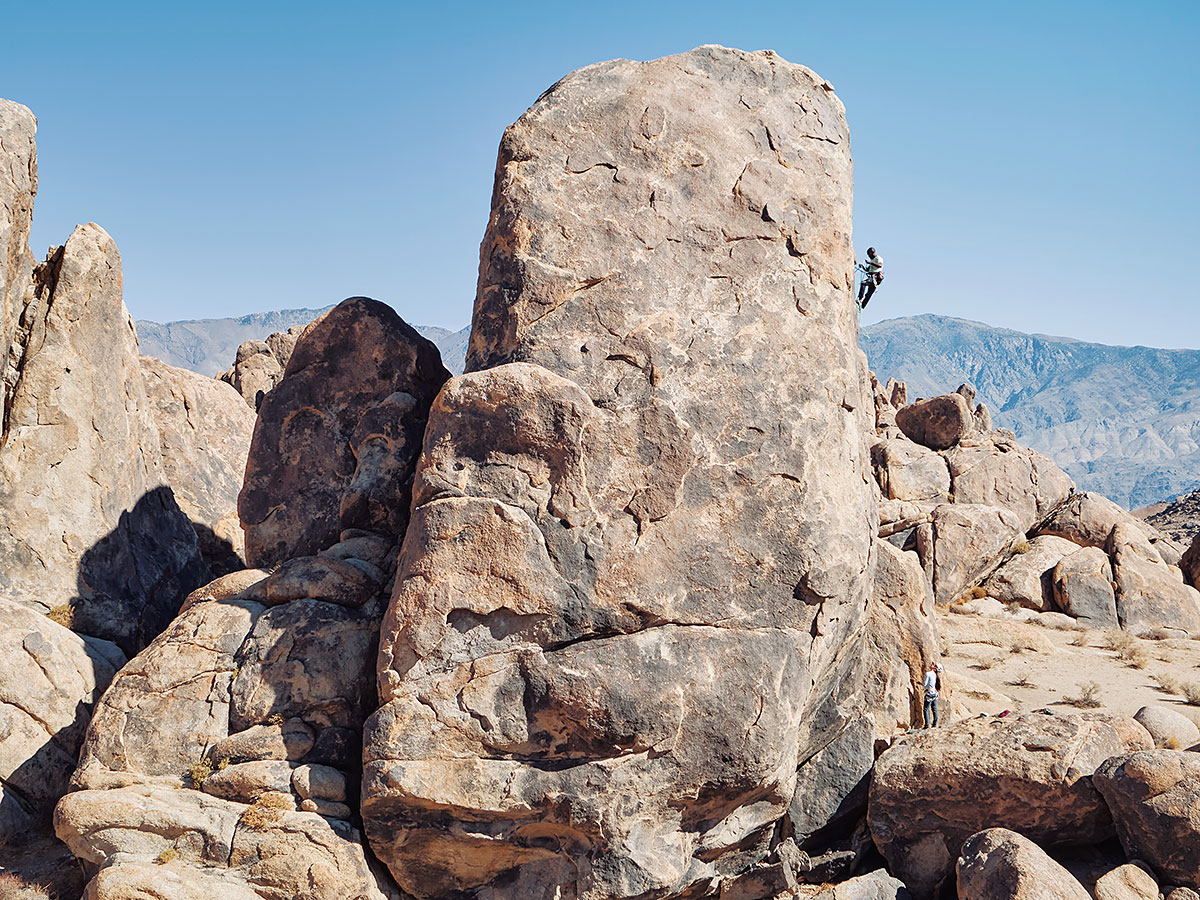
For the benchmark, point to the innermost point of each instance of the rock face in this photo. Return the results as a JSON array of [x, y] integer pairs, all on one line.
[[998, 864], [259, 365], [18, 184], [204, 438], [1028, 578], [1083, 588], [1001, 473], [629, 571], [962, 543], [938, 423], [1148, 591], [232, 742], [935, 789], [1155, 800], [335, 443]]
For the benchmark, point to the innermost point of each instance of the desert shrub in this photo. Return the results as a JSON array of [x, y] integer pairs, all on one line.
[[1168, 683], [275, 719], [1089, 696], [1118, 641], [64, 615], [1191, 693], [222, 764], [268, 810], [1174, 743], [947, 647], [1017, 647], [986, 662], [1135, 657], [1021, 547], [1021, 680], [13, 887], [166, 856], [1080, 639], [977, 592], [1156, 634], [199, 771]]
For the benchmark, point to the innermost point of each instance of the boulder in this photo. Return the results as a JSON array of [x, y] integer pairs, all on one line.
[[938, 423], [1001, 473], [1154, 796], [255, 371], [1190, 562], [335, 442], [1088, 518], [963, 543], [1127, 882], [18, 184], [877, 885], [999, 864], [1168, 728], [1028, 578], [89, 523], [1148, 591], [983, 418], [1083, 588], [49, 679], [1031, 771], [630, 570], [204, 437], [908, 471]]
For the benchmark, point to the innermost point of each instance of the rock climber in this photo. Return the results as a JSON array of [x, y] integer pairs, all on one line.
[[872, 269], [933, 685]]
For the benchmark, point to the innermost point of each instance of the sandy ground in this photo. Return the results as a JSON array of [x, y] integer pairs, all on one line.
[[1027, 666]]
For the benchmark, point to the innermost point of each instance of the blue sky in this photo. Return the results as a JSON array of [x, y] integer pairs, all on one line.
[[1029, 165]]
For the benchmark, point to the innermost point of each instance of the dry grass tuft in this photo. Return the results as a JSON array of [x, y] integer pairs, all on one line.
[[1017, 647], [1021, 680], [1156, 634], [1135, 657], [1191, 693], [976, 593], [1118, 641], [1021, 547], [1168, 683], [1174, 743], [64, 615], [166, 856], [13, 887], [985, 662], [1080, 639], [275, 719], [1089, 696], [947, 647], [268, 810]]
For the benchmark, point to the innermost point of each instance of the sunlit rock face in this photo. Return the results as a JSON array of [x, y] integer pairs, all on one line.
[[641, 521]]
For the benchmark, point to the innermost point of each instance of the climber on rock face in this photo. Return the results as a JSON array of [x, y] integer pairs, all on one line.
[[872, 269], [933, 686]]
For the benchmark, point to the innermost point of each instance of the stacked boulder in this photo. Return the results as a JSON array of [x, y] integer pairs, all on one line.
[[117, 476], [229, 748], [984, 513], [259, 365]]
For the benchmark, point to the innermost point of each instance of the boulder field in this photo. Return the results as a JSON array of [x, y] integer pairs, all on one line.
[[637, 607]]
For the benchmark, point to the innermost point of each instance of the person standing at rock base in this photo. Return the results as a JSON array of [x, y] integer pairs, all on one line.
[[872, 270], [933, 684]]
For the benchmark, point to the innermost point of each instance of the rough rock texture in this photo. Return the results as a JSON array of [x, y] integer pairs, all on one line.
[[1168, 727], [908, 471], [255, 371], [335, 443], [935, 789], [1148, 591], [998, 864], [963, 543], [938, 423], [1028, 578], [630, 570], [204, 437], [1190, 562], [49, 679], [1127, 882], [877, 885], [1154, 796], [234, 738], [1083, 588], [1088, 519], [88, 521], [18, 184], [1001, 473]]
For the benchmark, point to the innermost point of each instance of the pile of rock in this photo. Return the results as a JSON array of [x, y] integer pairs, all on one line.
[[983, 512], [259, 365], [118, 481]]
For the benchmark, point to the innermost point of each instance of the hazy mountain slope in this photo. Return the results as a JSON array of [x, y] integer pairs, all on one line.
[[208, 346], [1121, 420]]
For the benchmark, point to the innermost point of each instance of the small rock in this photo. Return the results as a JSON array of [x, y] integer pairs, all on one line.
[[998, 864], [1127, 882], [1169, 729]]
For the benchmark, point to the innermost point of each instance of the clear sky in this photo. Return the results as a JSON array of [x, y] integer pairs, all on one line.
[[1027, 164]]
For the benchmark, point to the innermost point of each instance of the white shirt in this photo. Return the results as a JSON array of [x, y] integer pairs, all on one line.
[[931, 683]]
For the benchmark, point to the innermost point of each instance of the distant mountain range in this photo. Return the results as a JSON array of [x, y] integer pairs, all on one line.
[[1124, 421], [208, 346]]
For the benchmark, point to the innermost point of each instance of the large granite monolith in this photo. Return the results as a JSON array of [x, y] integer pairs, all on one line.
[[642, 519]]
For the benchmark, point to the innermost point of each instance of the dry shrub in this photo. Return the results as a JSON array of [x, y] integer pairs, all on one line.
[[1080, 639], [1168, 683], [64, 615], [1156, 634], [1018, 647], [166, 856], [1021, 547], [13, 887], [1191, 693], [199, 771], [977, 593], [275, 719], [1135, 657], [947, 646], [985, 662], [1089, 696], [268, 810], [1174, 743], [1021, 680], [1118, 641]]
